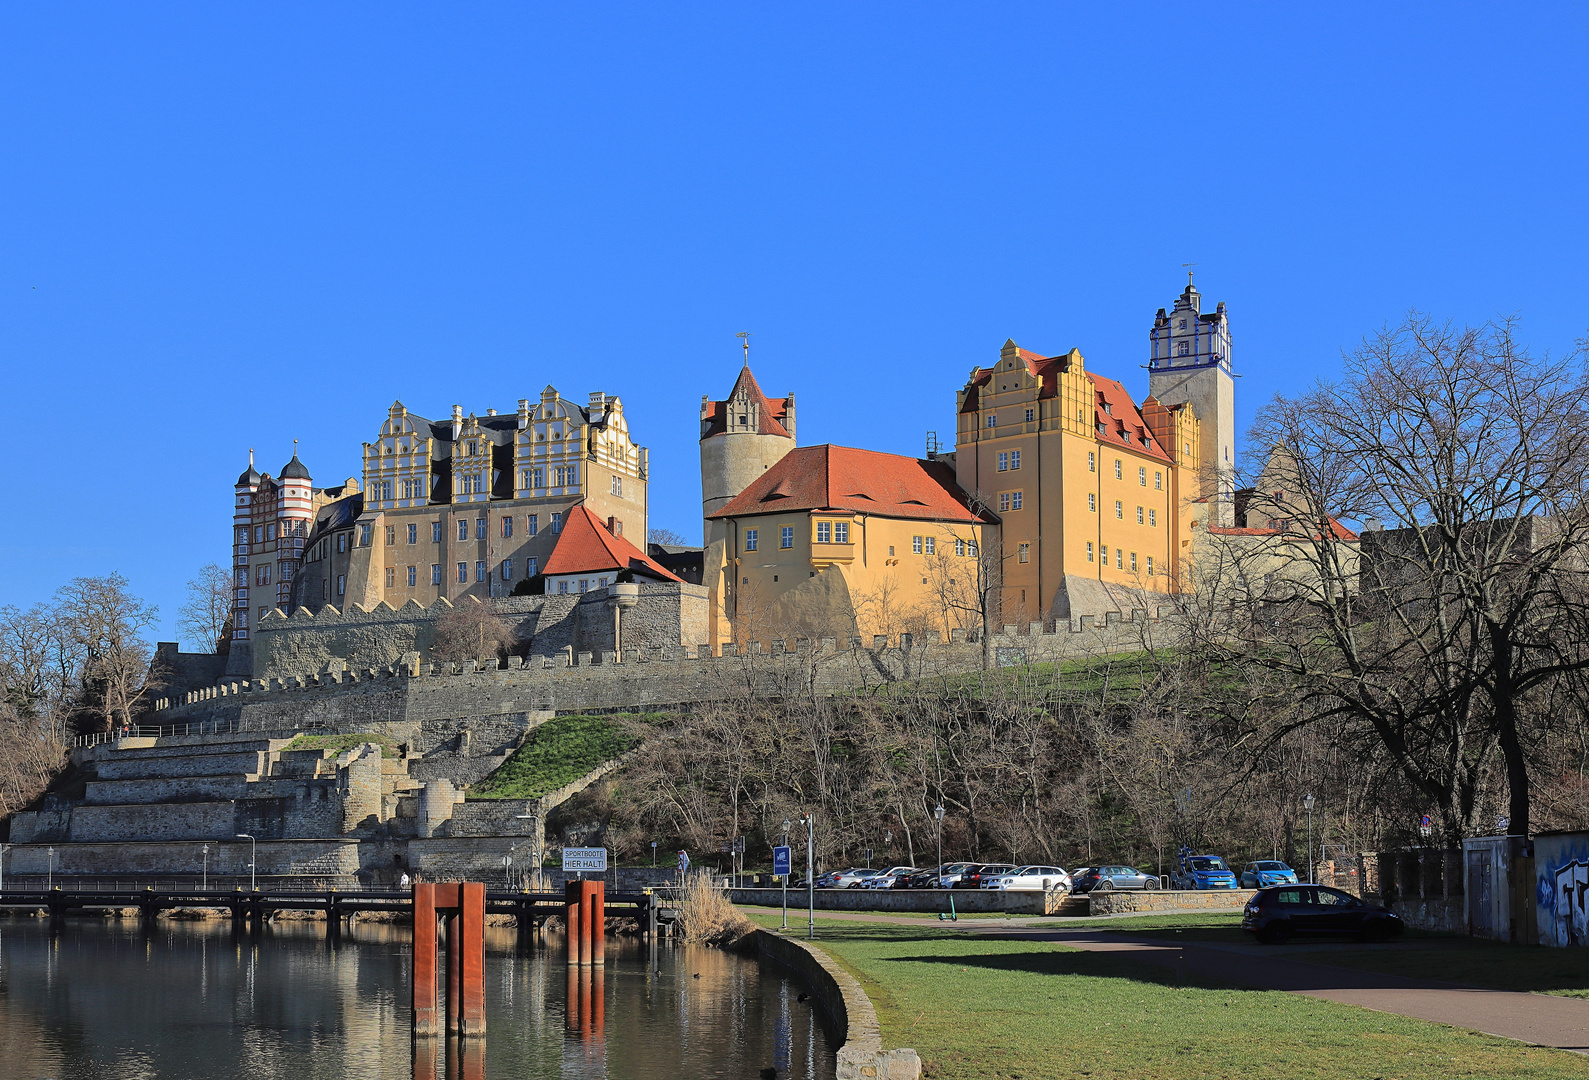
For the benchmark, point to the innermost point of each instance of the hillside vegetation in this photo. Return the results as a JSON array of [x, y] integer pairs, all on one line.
[[558, 752], [340, 743]]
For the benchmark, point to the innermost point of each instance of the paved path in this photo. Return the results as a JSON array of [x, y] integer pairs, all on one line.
[[1542, 1019]]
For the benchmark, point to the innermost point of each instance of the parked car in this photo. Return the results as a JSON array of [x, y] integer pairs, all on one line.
[[1111, 878], [1273, 915], [887, 879], [1201, 872], [973, 876], [843, 879], [943, 877], [1267, 872], [1029, 879]]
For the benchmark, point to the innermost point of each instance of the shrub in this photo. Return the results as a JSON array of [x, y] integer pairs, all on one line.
[[707, 916]]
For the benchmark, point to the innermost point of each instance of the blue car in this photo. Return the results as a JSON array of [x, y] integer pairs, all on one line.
[[1267, 872], [1202, 872]]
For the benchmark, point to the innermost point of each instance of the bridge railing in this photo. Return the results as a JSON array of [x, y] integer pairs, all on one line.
[[229, 726]]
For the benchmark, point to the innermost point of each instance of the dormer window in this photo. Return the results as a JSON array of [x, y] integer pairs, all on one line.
[[1108, 408]]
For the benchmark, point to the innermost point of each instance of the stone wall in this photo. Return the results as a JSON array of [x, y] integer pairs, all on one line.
[[931, 901], [1119, 903], [292, 858]]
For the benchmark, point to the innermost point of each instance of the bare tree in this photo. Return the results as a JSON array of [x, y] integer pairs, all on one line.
[[1449, 635], [203, 616], [657, 535], [471, 632], [105, 622]]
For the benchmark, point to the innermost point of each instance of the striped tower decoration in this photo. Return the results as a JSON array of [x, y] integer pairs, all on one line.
[[242, 516], [295, 520]]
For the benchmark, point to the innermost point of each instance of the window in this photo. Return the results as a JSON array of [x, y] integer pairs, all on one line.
[[617, 486], [584, 584], [750, 539], [841, 533], [507, 528], [1103, 550], [1004, 501], [364, 535], [891, 549], [480, 528], [1089, 551], [507, 569], [915, 545], [617, 527], [480, 571], [960, 547], [1092, 461], [413, 534], [1004, 462], [463, 573], [1183, 324], [413, 576], [1139, 515], [537, 478], [1119, 559], [1150, 565], [993, 421], [786, 536], [824, 532], [1117, 468], [342, 584], [1015, 500], [1023, 553], [1153, 517], [262, 575], [472, 448], [435, 532], [1133, 562], [1030, 415], [435, 573], [1092, 502], [930, 545], [557, 523], [532, 524], [1120, 510], [530, 566], [1142, 476], [1015, 459], [1158, 480], [342, 542], [562, 586], [391, 576], [463, 528], [1183, 349], [601, 583]]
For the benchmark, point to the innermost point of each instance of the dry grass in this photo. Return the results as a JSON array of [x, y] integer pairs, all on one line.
[[707, 916]]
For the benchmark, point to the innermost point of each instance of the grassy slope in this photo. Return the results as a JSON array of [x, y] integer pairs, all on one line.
[[339, 743], [977, 1009], [558, 752]]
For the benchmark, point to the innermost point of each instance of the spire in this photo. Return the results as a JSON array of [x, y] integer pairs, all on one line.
[[250, 477], [744, 339]]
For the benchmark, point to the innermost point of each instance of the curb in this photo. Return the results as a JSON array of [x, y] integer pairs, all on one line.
[[862, 1056]]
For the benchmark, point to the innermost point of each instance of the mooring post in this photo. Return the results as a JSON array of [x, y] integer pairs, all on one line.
[[571, 986], [472, 958], [425, 963], [598, 1001], [454, 970], [595, 921], [572, 904]]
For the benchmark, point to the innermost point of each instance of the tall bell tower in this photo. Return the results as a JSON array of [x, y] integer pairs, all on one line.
[[1189, 364]]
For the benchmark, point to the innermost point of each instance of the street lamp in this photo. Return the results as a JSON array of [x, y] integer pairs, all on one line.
[[937, 814], [1307, 804], [49, 877], [809, 821], [653, 854], [253, 859], [204, 878]]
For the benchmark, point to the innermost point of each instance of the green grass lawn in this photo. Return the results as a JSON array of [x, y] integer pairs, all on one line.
[[558, 752], [978, 1008], [339, 743]]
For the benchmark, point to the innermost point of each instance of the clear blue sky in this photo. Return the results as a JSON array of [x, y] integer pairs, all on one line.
[[229, 225]]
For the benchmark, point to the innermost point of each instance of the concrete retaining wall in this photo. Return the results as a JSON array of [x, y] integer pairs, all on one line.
[[1443, 914], [322, 859], [1117, 903], [926, 900], [846, 1005]]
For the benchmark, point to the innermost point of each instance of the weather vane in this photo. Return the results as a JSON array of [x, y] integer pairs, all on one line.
[[744, 339], [1188, 268]]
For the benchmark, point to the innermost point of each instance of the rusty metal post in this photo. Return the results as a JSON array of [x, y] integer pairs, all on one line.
[[598, 1000], [593, 900], [454, 996], [471, 953], [571, 1010], [572, 907], [424, 962]]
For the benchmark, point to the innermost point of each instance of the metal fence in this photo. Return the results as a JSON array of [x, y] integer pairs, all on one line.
[[229, 726]]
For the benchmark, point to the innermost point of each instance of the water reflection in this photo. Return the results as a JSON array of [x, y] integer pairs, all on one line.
[[190, 1000]]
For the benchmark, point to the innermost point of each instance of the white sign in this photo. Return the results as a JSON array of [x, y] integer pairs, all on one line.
[[585, 858]]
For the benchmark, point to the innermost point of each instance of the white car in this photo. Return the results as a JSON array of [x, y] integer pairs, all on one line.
[[847, 879], [1030, 878], [886, 879]]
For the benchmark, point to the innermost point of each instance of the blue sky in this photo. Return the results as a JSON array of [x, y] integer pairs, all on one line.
[[225, 226]]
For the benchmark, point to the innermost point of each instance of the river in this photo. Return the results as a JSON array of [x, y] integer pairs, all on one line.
[[191, 1001]]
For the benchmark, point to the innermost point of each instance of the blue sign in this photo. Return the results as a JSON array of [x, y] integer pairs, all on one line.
[[780, 861]]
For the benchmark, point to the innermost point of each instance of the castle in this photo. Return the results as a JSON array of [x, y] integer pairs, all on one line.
[[1062, 497]]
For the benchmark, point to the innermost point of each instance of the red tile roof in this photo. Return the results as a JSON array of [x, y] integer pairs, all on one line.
[[585, 546], [772, 410], [843, 478]]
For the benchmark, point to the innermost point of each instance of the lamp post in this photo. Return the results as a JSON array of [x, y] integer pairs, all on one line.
[[535, 845], [49, 876], [1307, 804], [937, 815], [253, 859], [204, 873], [786, 824], [653, 854], [808, 820], [2, 868]]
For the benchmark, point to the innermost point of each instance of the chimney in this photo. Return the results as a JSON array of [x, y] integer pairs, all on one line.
[[524, 413], [457, 422]]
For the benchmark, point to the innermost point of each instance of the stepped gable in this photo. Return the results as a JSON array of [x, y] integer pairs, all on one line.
[[586, 546], [773, 410], [1116, 418], [1046, 369], [831, 477]]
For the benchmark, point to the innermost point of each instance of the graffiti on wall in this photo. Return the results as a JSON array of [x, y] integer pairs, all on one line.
[[1561, 862]]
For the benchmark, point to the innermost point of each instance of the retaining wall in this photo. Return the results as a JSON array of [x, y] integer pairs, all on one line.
[[277, 858], [971, 901], [846, 1005], [1117, 903]]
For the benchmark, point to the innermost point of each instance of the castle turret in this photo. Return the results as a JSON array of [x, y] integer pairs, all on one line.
[[294, 522], [1190, 364], [242, 516]]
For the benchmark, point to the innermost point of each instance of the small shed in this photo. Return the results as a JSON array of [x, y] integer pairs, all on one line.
[[1491, 866]]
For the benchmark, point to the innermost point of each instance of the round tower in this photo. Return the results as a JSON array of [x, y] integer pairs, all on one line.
[[294, 521], [242, 517], [741, 438]]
